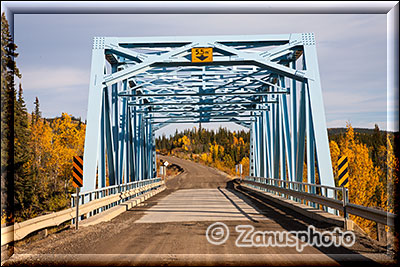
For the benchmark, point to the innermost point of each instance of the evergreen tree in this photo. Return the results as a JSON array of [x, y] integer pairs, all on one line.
[[8, 97], [377, 142], [24, 182], [38, 114]]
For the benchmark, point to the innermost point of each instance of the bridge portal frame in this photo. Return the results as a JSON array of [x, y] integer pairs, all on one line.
[[249, 82]]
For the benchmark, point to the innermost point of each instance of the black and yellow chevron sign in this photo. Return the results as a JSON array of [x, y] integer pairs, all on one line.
[[343, 171], [77, 171]]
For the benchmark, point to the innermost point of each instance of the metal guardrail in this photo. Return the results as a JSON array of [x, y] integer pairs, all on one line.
[[319, 194], [99, 193], [104, 192], [97, 200]]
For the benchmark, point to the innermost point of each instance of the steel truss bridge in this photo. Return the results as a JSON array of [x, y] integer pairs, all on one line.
[[267, 83]]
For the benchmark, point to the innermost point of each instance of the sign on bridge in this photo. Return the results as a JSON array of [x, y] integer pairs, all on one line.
[[202, 54]]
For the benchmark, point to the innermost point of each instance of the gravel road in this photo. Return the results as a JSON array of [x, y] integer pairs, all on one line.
[[134, 238]]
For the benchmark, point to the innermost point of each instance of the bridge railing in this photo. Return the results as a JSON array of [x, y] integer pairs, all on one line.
[[91, 203], [100, 193], [312, 195], [124, 191], [105, 192]]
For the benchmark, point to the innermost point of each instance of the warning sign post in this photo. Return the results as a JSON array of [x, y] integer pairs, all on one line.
[[77, 182]]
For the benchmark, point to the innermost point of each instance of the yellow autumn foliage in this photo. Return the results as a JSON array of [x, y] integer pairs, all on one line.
[[241, 141], [364, 185], [335, 153], [204, 157], [392, 178], [53, 147], [245, 165]]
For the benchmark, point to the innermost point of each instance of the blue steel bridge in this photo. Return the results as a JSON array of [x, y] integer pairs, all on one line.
[[269, 84]]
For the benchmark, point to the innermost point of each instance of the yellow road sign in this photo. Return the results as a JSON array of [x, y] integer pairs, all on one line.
[[343, 172], [202, 54]]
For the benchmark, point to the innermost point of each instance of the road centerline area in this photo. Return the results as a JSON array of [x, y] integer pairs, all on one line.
[[208, 204]]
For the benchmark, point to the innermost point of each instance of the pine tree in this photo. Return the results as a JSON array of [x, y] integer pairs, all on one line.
[[24, 180], [8, 96], [377, 142], [38, 114]]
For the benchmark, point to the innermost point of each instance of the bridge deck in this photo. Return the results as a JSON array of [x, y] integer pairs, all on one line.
[[201, 205]]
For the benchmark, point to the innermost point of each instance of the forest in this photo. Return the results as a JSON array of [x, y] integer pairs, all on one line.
[[37, 152], [222, 149]]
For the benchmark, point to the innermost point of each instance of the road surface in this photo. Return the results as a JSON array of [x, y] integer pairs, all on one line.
[[170, 228]]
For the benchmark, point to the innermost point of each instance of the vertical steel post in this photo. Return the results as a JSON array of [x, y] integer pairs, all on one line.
[[165, 172], [282, 154], [256, 147], [268, 143], [92, 135], [310, 145], [293, 124], [252, 172], [102, 156], [135, 140], [127, 147], [77, 208], [122, 146], [265, 147], [261, 147], [130, 145], [276, 136], [154, 154], [140, 146], [115, 124], [109, 140], [318, 113], [301, 134], [345, 215], [286, 132]]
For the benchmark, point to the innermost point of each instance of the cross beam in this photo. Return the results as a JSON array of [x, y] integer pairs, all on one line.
[[199, 104], [205, 94], [199, 111]]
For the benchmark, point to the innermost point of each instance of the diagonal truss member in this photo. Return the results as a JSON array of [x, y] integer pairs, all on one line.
[[267, 83]]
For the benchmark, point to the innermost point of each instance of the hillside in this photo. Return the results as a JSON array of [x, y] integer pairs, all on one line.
[[357, 130]]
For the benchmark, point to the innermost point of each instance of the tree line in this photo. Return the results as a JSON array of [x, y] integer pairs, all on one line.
[[222, 149], [36, 154]]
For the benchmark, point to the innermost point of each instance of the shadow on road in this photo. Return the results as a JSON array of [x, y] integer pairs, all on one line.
[[236, 206], [293, 221]]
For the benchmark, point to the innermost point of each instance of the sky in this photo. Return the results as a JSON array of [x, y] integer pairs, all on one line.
[[55, 56]]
